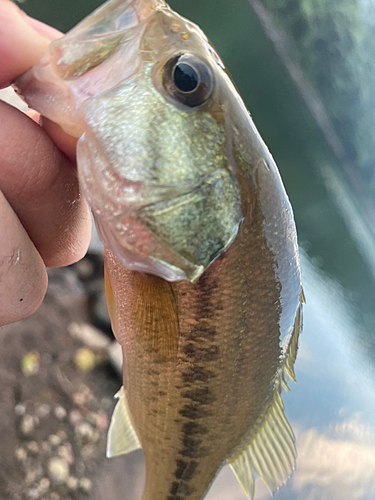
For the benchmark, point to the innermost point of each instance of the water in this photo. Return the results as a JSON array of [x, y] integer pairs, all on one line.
[[332, 406]]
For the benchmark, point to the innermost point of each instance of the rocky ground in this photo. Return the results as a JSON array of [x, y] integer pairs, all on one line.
[[56, 392]]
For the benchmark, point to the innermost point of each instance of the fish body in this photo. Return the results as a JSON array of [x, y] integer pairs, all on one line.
[[202, 267]]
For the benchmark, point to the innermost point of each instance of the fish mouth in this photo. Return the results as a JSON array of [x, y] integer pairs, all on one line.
[[90, 59]]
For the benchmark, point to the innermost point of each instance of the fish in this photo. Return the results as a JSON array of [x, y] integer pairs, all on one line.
[[202, 273]]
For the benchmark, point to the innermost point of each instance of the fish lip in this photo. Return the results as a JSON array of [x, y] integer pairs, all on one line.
[[69, 94]]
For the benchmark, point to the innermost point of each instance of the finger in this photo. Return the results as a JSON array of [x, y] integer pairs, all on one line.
[[23, 277], [23, 41], [42, 187]]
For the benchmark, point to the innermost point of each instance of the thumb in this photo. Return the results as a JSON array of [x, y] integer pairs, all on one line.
[[23, 41]]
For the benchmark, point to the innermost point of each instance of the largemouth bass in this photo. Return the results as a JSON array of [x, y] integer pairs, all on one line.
[[202, 268]]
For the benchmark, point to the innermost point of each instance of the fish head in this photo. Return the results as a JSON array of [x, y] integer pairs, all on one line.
[[152, 104]]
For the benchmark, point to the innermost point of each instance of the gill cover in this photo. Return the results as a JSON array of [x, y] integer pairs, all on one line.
[[145, 92]]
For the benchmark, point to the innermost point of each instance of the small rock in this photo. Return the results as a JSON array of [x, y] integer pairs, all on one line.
[[33, 447], [86, 391], [89, 335], [20, 454], [42, 488], [30, 363], [44, 485], [43, 411], [85, 484], [72, 483], [54, 440], [60, 412], [54, 496], [84, 431], [85, 360], [20, 410], [92, 418], [58, 470], [79, 398], [62, 435], [102, 420], [33, 494], [27, 425], [75, 416], [88, 451], [46, 447], [33, 475], [65, 451]]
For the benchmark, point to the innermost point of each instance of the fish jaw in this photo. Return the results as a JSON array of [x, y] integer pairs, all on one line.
[[68, 74]]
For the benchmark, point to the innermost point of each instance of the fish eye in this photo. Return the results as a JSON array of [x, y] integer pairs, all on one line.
[[188, 79]]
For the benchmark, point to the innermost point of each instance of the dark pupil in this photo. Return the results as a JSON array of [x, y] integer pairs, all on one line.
[[185, 77]]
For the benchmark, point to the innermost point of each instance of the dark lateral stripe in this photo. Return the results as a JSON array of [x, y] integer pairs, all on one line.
[[199, 348], [197, 353], [202, 396], [185, 469], [194, 373], [193, 412], [190, 428], [181, 488]]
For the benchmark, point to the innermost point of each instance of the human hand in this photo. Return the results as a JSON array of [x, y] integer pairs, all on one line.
[[44, 221]]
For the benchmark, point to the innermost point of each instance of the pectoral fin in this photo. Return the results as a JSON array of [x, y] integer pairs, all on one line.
[[122, 438], [271, 452]]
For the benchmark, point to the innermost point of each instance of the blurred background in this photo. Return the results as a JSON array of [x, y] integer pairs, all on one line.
[[306, 70]]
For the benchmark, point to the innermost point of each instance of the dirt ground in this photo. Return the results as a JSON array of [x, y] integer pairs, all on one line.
[[56, 396]]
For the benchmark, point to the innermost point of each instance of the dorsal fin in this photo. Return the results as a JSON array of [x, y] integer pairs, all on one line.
[[271, 452], [122, 438]]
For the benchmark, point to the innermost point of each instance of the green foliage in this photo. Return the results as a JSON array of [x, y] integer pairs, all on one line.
[[335, 43]]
